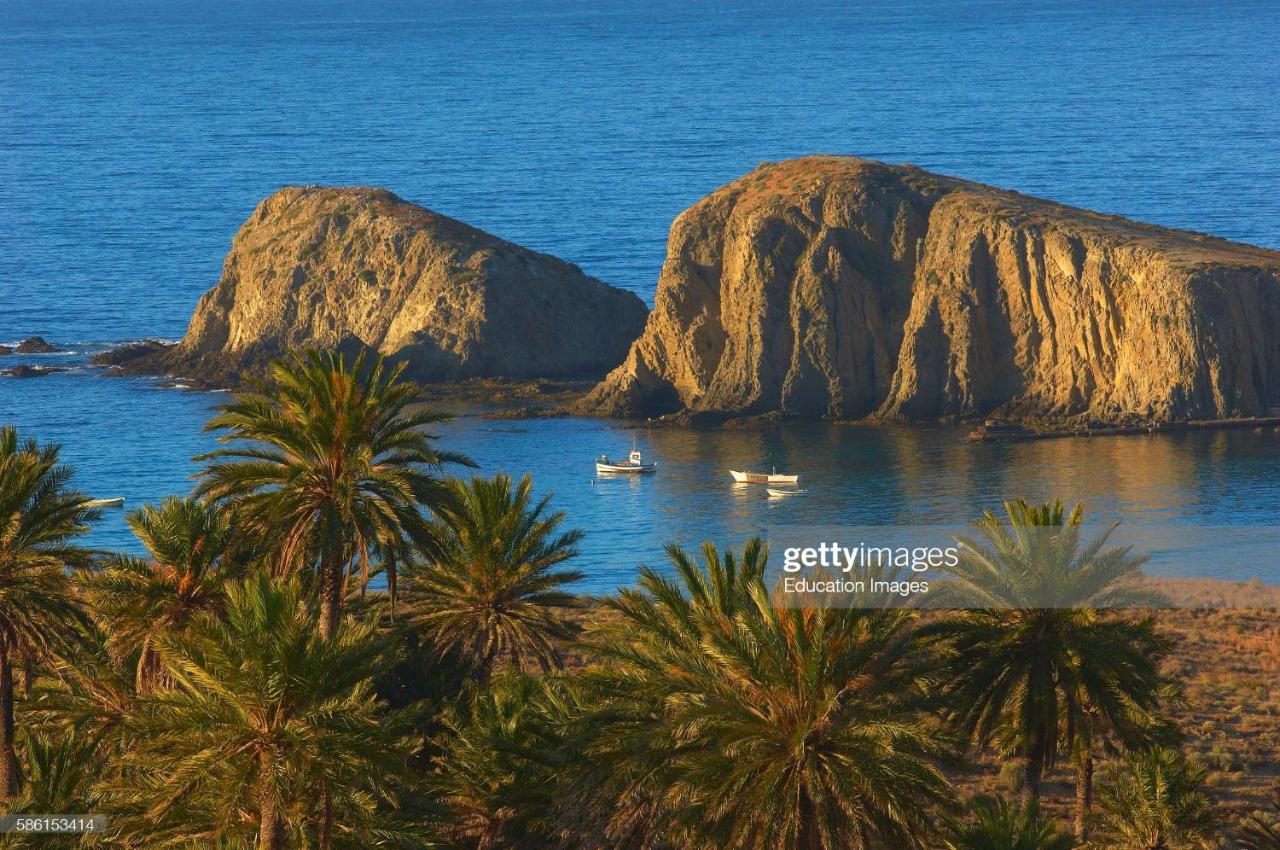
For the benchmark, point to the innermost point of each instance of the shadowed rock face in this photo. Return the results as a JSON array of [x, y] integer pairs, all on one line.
[[361, 268], [841, 287]]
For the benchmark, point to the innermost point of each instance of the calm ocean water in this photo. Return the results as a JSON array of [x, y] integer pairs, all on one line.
[[136, 136]]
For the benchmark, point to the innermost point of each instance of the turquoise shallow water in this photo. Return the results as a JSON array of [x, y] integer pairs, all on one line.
[[135, 137]]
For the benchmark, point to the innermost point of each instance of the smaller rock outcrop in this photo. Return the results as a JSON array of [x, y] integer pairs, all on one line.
[[35, 345], [129, 352], [361, 269], [24, 370]]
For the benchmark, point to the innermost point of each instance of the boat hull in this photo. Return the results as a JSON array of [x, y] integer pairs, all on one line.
[[763, 478], [625, 469], [774, 491]]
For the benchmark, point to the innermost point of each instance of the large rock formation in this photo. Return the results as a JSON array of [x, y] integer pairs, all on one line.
[[842, 287], [315, 267]]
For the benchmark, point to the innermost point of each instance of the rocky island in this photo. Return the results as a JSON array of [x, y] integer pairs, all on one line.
[[846, 288], [831, 287], [362, 268]]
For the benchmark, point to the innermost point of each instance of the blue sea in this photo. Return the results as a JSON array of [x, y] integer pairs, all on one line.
[[136, 136]]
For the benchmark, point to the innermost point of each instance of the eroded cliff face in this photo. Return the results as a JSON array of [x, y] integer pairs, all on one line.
[[316, 267], [846, 288]]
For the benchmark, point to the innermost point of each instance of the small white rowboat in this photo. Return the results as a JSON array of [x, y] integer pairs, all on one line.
[[763, 477], [105, 503], [633, 465], [777, 491]]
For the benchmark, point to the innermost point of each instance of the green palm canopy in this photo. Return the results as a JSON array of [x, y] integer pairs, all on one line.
[[997, 824], [271, 732], [723, 720], [1260, 831], [332, 466], [1039, 664], [1156, 801], [494, 591], [40, 521], [192, 551]]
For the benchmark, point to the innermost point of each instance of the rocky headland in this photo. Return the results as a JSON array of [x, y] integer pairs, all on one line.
[[850, 289], [363, 269]]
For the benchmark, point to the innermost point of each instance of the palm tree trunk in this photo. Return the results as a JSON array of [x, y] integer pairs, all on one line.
[[28, 673], [326, 828], [1031, 780], [806, 833], [270, 827], [1084, 794], [8, 756], [330, 595], [482, 673], [392, 581], [148, 662]]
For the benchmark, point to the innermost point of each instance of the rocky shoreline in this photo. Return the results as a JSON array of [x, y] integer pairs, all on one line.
[[514, 400], [996, 431], [528, 399]]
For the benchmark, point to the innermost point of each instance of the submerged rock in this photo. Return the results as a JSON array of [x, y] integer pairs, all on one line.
[[846, 288], [362, 269]]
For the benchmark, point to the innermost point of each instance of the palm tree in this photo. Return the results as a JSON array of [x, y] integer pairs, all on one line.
[[83, 705], [335, 467], [60, 774], [40, 519], [723, 720], [1132, 725], [611, 802], [1155, 802], [89, 693], [493, 593], [1035, 665], [139, 600], [999, 825], [1260, 831], [502, 750], [267, 721]]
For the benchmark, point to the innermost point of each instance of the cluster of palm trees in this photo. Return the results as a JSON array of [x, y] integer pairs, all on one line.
[[243, 686]]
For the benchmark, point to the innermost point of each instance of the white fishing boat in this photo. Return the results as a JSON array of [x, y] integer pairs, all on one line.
[[763, 477], [105, 503], [790, 491], [633, 465]]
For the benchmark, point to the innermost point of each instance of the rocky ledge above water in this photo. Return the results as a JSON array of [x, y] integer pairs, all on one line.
[[362, 269], [845, 288], [36, 345], [30, 345], [26, 370]]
